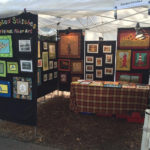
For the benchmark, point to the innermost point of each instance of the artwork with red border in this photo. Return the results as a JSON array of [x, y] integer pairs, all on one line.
[[126, 39], [64, 64], [141, 60], [129, 77]]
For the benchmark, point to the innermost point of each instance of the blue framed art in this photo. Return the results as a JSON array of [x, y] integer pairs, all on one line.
[[5, 90]]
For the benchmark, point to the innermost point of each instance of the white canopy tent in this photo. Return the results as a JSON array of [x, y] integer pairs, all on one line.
[[96, 17]]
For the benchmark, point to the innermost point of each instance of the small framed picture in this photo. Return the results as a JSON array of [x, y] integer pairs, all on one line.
[[26, 65], [45, 77], [89, 76], [109, 71], [55, 74], [107, 49], [99, 73], [55, 64], [52, 51], [2, 68], [64, 64], [12, 67], [50, 76], [39, 62], [5, 89], [89, 68], [99, 62], [24, 45], [92, 48], [45, 45], [89, 59], [76, 66], [108, 58], [45, 60], [63, 77], [51, 65]]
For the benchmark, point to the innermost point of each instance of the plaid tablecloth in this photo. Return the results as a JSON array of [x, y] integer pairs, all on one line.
[[95, 99]]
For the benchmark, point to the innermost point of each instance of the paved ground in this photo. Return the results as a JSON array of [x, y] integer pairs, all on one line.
[[9, 144]]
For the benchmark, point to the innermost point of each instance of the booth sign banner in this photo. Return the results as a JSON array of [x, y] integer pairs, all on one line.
[[119, 4]]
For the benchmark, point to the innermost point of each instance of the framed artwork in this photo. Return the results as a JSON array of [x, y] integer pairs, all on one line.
[[22, 88], [127, 40], [12, 67], [45, 45], [64, 64], [26, 65], [92, 48], [63, 77], [129, 77], [55, 74], [24, 45], [2, 68], [45, 60], [89, 59], [109, 71], [52, 51], [107, 49], [45, 77], [50, 76], [39, 82], [75, 78], [123, 60], [141, 60], [76, 66], [89, 76], [55, 64], [39, 62], [5, 89], [69, 45], [51, 65], [108, 58], [99, 73], [99, 62], [89, 68], [39, 50], [6, 46]]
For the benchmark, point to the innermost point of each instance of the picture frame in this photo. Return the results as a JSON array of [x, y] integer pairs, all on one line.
[[76, 66], [45, 77], [52, 51], [89, 59], [89, 68], [129, 77], [64, 64], [12, 67], [45, 45], [5, 89], [92, 48], [127, 40], [109, 71], [75, 78], [39, 82], [24, 45], [39, 49], [2, 68], [141, 60], [51, 66], [108, 58], [50, 76], [45, 61], [55, 64], [123, 60], [107, 48], [6, 49], [26, 66], [99, 62], [89, 76], [99, 73], [69, 45], [22, 88], [55, 74], [40, 63], [63, 77]]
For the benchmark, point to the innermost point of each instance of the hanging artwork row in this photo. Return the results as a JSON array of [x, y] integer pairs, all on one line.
[[100, 60]]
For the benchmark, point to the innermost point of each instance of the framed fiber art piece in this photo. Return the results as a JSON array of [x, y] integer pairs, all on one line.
[[52, 51], [127, 40], [69, 45], [55, 64], [89, 59], [64, 64], [89, 76], [129, 77], [2, 68], [55, 74], [99, 62], [12, 67], [76, 66], [141, 60], [45, 60], [39, 63], [5, 90], [51, 66], [89, 68], [92, 48], [107, 48], [45, 45], [108, 58], [123, 60], [6, 46], [26, 65], [63, 77], [45, 77], [108, 71], [24, 45], [22, 88], [50, 76], [99, 73]]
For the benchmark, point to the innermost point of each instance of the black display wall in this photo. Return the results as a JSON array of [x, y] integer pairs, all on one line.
[[70, 58], [100, 60], [47, 75], [18, 67], [135, 68]]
